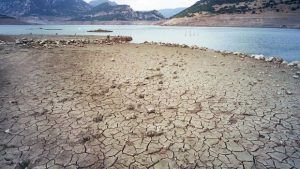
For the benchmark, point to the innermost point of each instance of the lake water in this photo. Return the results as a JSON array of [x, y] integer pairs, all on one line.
[[267, 41]]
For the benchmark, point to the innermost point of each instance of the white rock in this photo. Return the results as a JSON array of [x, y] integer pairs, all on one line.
[[298, 73], [18, 41], [150, 109], [7, 131], [296, 77], [270, 59], [288, 92], [294, 63], [112, 59], [258, 57], [284, 62]]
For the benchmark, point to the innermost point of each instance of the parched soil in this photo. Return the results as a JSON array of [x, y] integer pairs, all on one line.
[[145, 106]]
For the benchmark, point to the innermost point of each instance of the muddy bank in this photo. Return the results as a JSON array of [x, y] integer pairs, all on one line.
[[146, 106]]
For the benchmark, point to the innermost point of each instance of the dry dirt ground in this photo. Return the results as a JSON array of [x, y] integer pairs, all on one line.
[[269, 20], [145, 106]]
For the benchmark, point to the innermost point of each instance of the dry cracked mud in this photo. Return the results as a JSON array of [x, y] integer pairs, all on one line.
[[145, 106]]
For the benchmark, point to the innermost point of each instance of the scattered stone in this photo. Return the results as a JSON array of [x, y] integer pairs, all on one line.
[[288, 92], [298, 73], [131, 107], [259, 57], [112, 59], [150, 109], [7, 131], [294, 63], [141, 96], [13, 102], [98, 119], [285, 62], [160, 82], [270, 59], [154, 131], [130, 117], [296, 77], [23, 164]]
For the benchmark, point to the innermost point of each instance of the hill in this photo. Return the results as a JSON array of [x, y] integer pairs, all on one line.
[[108, 12], [57, 8], [98, 2], [239, 7], [167, 13], [240, 13]]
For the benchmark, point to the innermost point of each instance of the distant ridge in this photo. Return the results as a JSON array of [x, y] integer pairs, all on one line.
[[170, 12], [98, 2], [57, 11], [108, 12], [239, 7], [43, 7]]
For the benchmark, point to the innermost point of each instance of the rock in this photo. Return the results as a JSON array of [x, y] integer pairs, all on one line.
[[154, 131], [160, 82], [278, 59], [258, 57], [13, 102], [130, 117], [284, 62], [130, 107], [270, 59], [18, 42], [112, 59], [23, 164], [294, 63], [141, 96], [298, 73], [98, 119], [296, 77], [288, 92], [7, 131], [150, 109]]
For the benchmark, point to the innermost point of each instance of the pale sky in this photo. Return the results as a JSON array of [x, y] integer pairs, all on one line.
[[155, 4]]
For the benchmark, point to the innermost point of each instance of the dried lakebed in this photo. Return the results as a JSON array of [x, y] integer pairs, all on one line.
[[117, 105]]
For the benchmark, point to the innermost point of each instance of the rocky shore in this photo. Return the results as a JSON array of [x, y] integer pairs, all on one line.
[[50, 43], [90, 102]]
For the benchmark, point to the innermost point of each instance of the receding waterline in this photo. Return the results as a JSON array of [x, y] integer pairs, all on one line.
[[267, 41]]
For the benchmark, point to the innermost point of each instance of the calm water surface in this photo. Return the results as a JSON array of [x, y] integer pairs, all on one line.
[[267, 41]]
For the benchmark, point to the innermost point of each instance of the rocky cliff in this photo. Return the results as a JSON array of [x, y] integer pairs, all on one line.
[[43, 7]]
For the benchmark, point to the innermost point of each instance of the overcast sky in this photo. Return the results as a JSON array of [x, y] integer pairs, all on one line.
[[155, 4]]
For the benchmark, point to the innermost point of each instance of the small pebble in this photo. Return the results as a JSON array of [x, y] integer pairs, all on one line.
[[131, 107], [288, 92], [150, 109]]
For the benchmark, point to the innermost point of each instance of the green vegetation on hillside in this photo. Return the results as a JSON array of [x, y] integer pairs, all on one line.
[[235, 6]]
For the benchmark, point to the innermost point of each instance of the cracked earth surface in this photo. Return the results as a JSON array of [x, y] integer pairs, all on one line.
[[145, 106]]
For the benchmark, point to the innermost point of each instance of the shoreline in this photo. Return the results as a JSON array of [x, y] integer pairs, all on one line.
[[275, 59], [87, 102]]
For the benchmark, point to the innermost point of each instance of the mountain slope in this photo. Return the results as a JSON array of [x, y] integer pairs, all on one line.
[[98, 2], [4, 20], [170, 12], [239, 7], [43, 7], [108, 12]]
